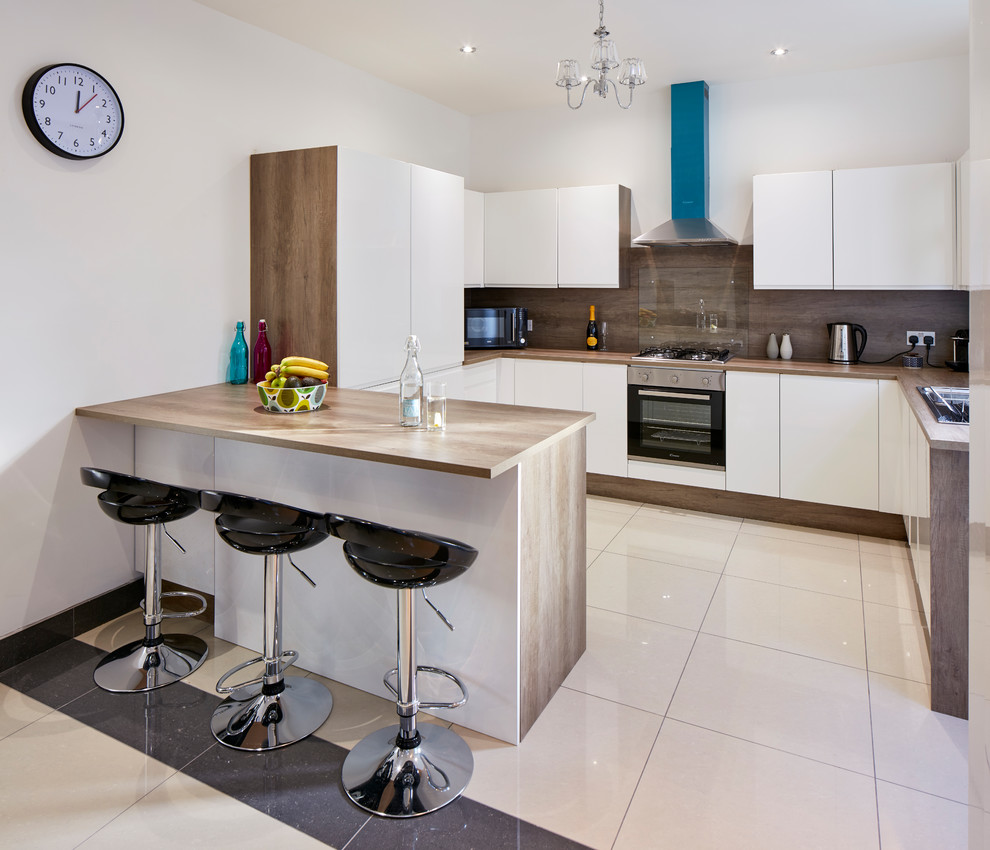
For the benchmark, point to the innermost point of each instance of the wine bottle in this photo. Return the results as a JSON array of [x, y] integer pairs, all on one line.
[[411, 386], [261, 360], [239, 357], [592, 335]]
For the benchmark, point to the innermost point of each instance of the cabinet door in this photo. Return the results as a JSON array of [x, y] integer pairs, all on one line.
[[792, 230], [437, 266], [605, 395], [588, 236], [474, 239], [752, 433], [828, 441], [893, 483], [521, 238], [372, 267], [549, 383], [894, 227]]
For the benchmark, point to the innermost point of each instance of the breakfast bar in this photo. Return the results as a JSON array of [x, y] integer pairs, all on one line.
[[507, 480]]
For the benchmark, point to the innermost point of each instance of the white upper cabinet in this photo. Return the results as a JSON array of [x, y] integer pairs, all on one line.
[[437, 266], [589, 230], [792, 230], [862, 228], [556, 237], [521, 238], [894, 228], [474, 239]]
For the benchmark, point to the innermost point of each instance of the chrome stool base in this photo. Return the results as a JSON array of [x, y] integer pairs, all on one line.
[[251, 720], [392, 781], [136, 667]]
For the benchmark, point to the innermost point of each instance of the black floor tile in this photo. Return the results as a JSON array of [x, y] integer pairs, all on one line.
[[298, 785], [170, 724], [36, 639], [57, 676], [461, 825]]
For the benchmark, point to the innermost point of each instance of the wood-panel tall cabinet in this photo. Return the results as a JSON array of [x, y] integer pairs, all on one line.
[[350, 253]]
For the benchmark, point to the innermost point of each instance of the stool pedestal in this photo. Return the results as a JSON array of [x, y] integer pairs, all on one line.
[[158, 659], [404, 770], [273, 710]]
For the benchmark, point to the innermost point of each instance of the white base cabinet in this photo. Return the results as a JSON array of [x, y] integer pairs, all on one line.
[[828, 441], [752, 442]]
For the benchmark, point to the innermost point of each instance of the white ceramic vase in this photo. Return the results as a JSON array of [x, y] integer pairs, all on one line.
[[786, 351], [772, 350]]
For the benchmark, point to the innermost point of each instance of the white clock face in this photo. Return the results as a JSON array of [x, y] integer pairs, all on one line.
[[73, 111]]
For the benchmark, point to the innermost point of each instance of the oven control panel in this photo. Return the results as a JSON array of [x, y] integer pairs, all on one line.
[[686, 379]]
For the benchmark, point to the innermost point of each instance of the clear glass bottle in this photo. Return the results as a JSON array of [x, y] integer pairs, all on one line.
[[411, 386], [238, 373], [261, 359]]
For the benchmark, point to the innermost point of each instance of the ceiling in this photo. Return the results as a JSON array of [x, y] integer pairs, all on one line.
[[415, 43]]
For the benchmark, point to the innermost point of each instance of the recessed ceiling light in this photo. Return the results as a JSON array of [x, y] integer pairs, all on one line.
[[779, 51], [469, 48]]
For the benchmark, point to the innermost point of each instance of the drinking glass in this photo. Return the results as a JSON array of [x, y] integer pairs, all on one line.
[[602, 336], [713, 322], [436, 405]]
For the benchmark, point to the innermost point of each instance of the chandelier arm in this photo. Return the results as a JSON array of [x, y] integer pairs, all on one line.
[[615, 88], [584, 91]]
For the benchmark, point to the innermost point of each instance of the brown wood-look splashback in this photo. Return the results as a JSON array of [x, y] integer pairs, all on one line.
[[560, 316]]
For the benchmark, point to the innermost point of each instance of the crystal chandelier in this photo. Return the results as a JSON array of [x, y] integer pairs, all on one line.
[[604, 57]]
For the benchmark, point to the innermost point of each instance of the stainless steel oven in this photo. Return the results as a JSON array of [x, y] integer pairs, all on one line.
[[677, 415]]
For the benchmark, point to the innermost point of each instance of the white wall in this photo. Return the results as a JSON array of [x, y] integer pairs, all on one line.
[[124, 276], [890, 115]]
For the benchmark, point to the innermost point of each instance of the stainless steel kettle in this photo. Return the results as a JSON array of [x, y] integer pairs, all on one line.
[[842, 345]]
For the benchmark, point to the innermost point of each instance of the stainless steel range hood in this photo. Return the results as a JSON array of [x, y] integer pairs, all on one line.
[[689, 225]]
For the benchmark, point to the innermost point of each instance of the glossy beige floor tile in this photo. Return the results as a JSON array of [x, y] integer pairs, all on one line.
[[591, 555], [18, 711], [62, 781], [619, 506], [575, 770], [895, 642], [603, 526], [883, 546], [183, 811], [915, 746], [910, 820], [221, 657], [810, 566], [725, 523], [814, 624], [631, 661], [800, 705], [705, 791], [664, 593], [660, 537], [888, 581], [800, 534]]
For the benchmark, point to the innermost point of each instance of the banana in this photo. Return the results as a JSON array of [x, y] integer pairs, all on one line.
[[270, 376], [306, 372], [308, 362]]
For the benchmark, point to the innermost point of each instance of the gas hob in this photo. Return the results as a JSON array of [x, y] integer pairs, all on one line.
[[684, 352]]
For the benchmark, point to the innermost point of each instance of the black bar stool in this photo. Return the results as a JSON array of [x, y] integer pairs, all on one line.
[[272, 710], [158, 659], [403, 770]]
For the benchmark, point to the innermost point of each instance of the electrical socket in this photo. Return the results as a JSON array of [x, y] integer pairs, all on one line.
[[921, 336]]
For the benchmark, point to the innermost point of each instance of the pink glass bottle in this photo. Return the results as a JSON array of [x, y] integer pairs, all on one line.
[[262, 356]]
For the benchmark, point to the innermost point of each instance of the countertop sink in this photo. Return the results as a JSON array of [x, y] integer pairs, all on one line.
[[948, 404]]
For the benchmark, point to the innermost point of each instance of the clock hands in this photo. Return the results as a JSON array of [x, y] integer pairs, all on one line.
[[80, 108]]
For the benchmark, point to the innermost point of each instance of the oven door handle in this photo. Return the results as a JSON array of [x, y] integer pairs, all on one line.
[[682, 396]]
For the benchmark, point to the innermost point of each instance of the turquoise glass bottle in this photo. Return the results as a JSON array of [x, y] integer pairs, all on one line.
[[238, 373]]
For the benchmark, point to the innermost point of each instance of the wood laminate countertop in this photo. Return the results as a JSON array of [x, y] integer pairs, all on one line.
[[481, 440], [940, 435]]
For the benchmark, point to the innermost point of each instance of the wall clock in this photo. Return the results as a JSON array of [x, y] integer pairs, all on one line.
[[73, 111]]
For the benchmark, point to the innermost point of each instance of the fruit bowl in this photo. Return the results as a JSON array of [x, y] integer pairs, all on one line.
[[291, 399]]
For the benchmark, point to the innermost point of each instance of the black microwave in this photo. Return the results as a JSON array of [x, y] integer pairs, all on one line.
[[495, 327]]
